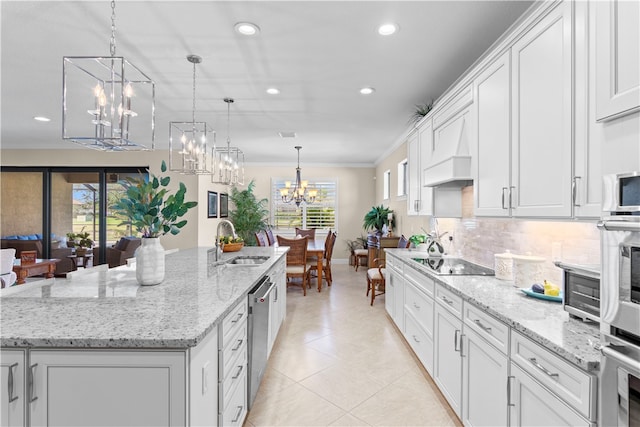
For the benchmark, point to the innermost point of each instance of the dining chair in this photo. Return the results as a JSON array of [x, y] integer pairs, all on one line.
[[310, 232], [360, 254], [296, 260], [376, 279], [270, 237], [329, 243], [261, 238]]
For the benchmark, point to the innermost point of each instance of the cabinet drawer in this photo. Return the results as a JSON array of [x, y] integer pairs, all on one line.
[[235, 374], [420, 281], [236, 410], [420, 306], [236, 346], [574, 386], [231, 323], [420, 342], [487, 326], [448, 299], [393, 265]]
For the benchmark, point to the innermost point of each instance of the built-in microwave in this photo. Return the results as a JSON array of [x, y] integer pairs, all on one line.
[[621, 194]]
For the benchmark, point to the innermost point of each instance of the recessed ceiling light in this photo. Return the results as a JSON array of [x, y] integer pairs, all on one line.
[[247, 28], [367, 90], [41, 118], [387, 29], [287, 134], [273, 91]]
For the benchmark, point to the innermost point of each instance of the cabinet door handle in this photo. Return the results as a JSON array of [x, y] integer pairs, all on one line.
[[32, 383], [237, 345], [455, 340], [238, 317], [511, 191], [479, 323], [461, 346], [574, 190], [543, 369], [416, 339], [504, 189], [235, 420], [240, 368], [275, 299], [509, 391], [447, 300], [12, 398]]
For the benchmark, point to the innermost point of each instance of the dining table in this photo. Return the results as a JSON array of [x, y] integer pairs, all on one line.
[[315, 248]]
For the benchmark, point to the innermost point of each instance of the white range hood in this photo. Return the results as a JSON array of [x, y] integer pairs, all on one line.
[[450, 164]]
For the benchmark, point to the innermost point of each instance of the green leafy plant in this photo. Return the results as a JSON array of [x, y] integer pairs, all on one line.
[[249, 215], [358, 243], [79, 240], [417, 239], [421, 111], [149, 207], [377, 218]]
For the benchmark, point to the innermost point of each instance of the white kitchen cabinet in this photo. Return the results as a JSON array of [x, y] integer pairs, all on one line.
[[413, 160], [617, 63], [484, 373], [394, 291], [541, 117], [108, 387], [492, 151], [418, 318], [12, 412], [278, 302], [447, 363], [530, 404]]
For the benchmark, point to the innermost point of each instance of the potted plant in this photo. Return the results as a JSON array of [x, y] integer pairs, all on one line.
[[80, 241], [152, 211], [249, 215], [421, 111], [378, 219]]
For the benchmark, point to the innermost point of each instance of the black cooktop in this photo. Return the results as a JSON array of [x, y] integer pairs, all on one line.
[[454, 267]]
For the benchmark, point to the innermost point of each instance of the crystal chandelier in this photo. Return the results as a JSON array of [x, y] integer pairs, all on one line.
[[188, 140], [296, 193], [228, 162], [118, 97]]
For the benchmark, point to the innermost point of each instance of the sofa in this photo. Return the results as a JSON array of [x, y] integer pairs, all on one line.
[[64, 266], [124, 249], [7, 276]]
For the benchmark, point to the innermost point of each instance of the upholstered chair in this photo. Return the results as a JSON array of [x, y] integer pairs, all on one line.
[[296, 261]]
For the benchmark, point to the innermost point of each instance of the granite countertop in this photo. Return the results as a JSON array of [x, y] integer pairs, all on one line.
[[109, 309], [542, 321]]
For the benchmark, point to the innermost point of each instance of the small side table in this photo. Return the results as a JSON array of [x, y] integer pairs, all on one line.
[[85, 260]]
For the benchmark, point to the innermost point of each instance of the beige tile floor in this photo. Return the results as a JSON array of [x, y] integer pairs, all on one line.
[[338, 361]]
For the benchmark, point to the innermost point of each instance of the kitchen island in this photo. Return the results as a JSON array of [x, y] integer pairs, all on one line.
[[125, 354], [497, 355]]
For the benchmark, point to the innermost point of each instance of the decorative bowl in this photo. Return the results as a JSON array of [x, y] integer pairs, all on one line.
[[232, 247]]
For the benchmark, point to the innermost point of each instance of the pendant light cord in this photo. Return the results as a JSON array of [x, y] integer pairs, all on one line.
[[112, 41], [193, 110]]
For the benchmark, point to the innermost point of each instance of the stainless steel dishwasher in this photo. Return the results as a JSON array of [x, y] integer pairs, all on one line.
[[258, 330]]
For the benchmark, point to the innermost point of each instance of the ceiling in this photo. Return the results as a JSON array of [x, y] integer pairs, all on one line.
[[317, 53]]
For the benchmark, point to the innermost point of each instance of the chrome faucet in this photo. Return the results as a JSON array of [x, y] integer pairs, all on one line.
[[219, 245]]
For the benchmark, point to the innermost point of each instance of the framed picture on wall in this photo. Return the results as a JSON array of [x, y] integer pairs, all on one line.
[[224, 205], [212, 206]]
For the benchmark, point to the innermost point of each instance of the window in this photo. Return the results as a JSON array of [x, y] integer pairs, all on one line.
[[320, 214], [386, 190], [403, 175]]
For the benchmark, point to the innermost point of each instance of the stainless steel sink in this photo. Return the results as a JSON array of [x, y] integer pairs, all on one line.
[[247, 260]]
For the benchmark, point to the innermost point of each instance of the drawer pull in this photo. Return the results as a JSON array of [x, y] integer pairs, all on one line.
[[504, 189], [447, 300], [12, 398], [455, 340], [32, 383], [238, 317], [240, 368], [416, 339], [235, 420], [543, 369], [479, 323], [238, 345], [416, 306]]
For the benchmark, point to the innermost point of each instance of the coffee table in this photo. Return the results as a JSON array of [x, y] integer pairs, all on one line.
[[85, 260], [41, 266]]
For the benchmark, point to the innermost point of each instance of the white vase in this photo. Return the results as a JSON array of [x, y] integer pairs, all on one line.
[[150, 262]]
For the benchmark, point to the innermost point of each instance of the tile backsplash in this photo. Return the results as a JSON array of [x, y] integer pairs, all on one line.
[[478, 239]]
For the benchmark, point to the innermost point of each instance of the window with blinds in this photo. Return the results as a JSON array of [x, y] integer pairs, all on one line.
[[321, 214]]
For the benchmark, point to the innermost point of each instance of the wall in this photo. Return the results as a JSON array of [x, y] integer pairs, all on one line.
[[20, 203]]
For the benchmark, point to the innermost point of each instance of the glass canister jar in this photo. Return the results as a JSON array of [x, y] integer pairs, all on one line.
[[527, 270], [503, 265]]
